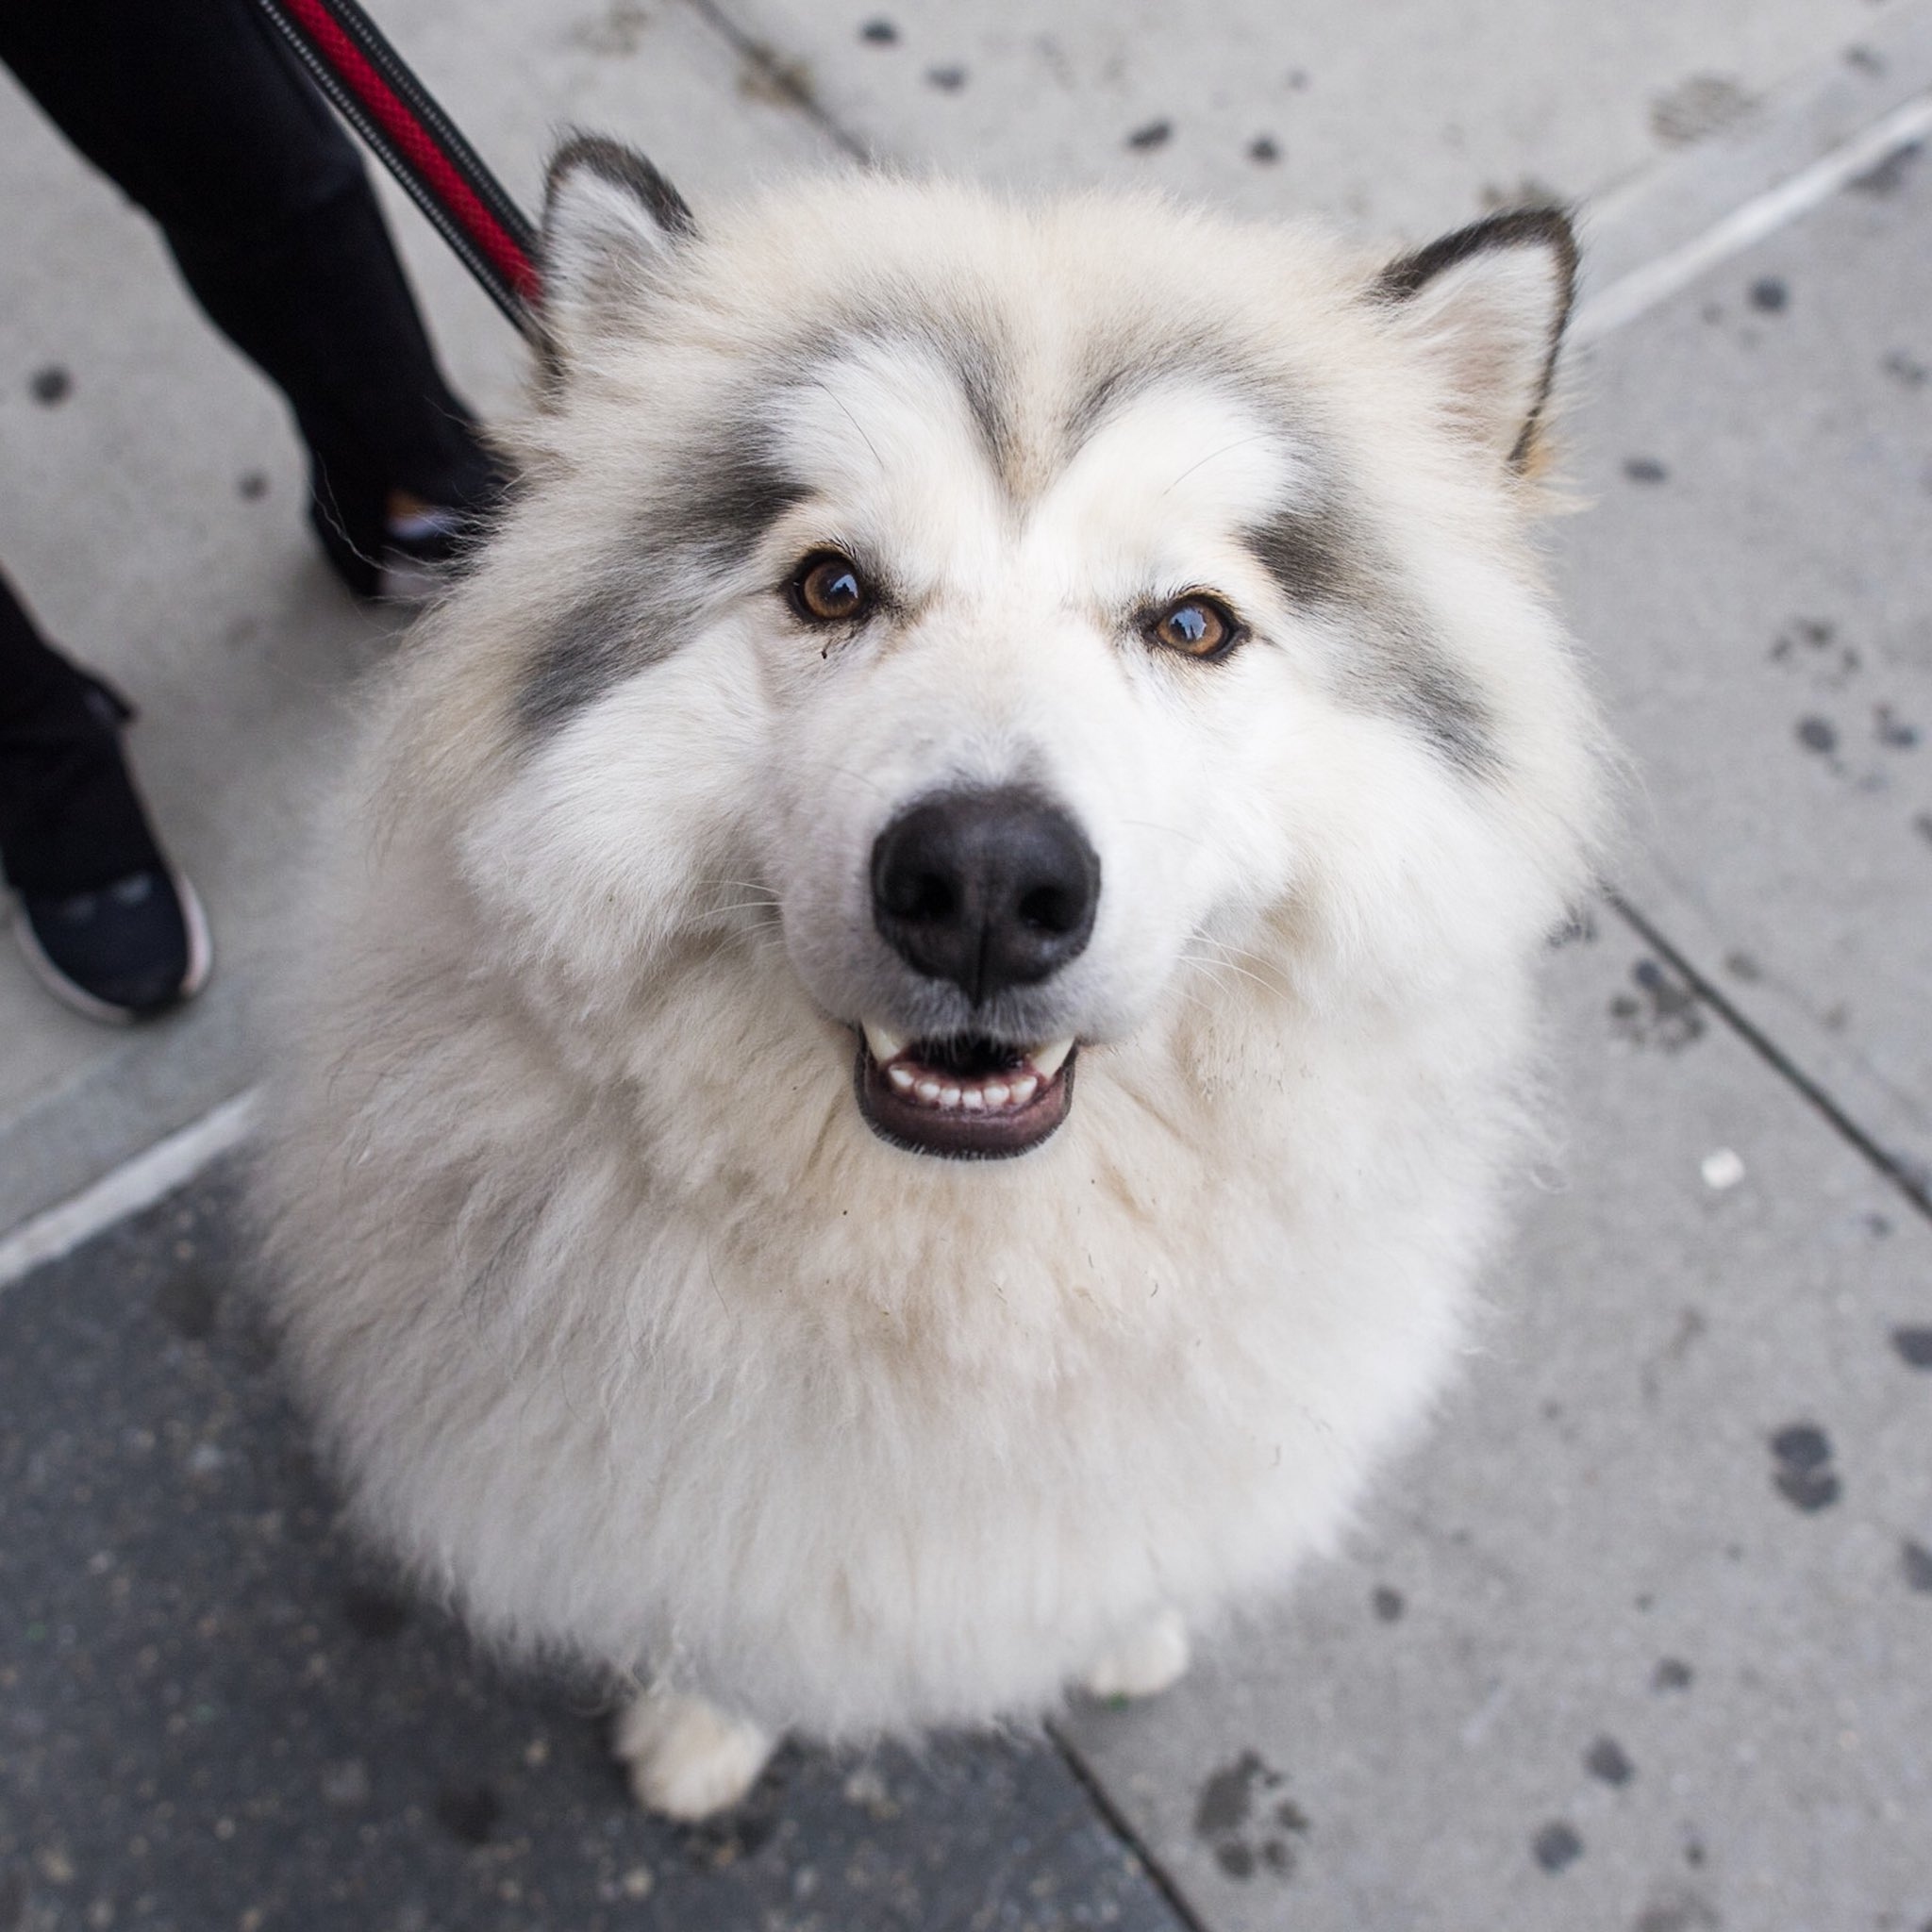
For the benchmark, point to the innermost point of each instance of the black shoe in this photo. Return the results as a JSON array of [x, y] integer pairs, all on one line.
[[407, 559], [108, 924], [126, 951]]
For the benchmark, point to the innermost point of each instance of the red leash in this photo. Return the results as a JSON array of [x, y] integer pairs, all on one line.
[[376, 93]]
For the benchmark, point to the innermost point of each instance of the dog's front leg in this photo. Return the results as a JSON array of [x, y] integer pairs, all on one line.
[[1150, 1659], [686, 1757]]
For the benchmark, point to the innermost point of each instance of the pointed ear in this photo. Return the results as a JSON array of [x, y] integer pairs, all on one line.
[[609, 221], [1489, 304]]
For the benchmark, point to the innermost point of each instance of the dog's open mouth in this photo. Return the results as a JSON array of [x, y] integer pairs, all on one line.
[[967, 1098]]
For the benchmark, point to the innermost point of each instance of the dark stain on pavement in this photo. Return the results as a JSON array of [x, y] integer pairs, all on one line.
[[1817, 734], [50, 385], [1770, 294], [1226, 1810], [1662, 1013], [1607, 1761], [1915, 1560], [1893, 732], [1802, 1474], [1228, 1795], [1644, 470], [1811, 644], [1389, 1604], [1156, 134], [1556, 1845], [1671, 1674], [1914, 1346]]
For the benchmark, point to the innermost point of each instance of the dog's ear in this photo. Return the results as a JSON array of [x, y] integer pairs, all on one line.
[[1489, 304], [609, 221]]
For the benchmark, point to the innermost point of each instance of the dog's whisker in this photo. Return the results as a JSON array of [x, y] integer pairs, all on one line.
[[820, 382], [1171, 831], [1231, 965], [1215, 455]]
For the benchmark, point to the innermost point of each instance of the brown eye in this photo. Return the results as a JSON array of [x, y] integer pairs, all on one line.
[[827, 588], [1196, 626]]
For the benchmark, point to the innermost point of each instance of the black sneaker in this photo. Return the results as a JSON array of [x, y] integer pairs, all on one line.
[[126, 952], [104, 919], [408, 558]]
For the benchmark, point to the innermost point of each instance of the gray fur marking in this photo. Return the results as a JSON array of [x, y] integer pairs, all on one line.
[[597, 643], [637, 615], [1391, 664], [1408, 676], [1313, 553]]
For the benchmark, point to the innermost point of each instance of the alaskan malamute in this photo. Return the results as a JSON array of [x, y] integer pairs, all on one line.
[[922, 1005]]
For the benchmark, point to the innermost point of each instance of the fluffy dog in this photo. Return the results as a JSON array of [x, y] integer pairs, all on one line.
[[922, 1007]]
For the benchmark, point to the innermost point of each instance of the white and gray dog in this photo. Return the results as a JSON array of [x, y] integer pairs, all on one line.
[[923, 1006]]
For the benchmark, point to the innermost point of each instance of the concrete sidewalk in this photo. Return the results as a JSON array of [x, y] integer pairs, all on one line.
[[1639, 1640]]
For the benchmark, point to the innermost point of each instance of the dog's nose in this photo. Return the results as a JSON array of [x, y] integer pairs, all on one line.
[[987, 888]]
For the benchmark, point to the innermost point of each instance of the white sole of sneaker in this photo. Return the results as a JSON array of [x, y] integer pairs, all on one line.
[[201, 959]]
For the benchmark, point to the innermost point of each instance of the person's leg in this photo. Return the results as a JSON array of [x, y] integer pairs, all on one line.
[[103, 918], [200, 114]]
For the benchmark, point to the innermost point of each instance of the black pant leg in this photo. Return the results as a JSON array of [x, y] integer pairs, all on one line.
[[30, 668], [200, 114], [70, 818]]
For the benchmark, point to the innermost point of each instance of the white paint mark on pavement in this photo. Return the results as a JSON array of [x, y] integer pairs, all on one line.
[[1656, 281], [130, 1187]]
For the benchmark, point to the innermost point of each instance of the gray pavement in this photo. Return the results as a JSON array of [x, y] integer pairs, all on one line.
[[1763, 443], [1639, 1640]]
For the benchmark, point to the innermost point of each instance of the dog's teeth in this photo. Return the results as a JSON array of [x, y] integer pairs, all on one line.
[[900, 1077], [886, 1045], [973, 1099], [1048, 1060], [928, 1091], [1025, 1088], [949, 1096], [997, 1093]]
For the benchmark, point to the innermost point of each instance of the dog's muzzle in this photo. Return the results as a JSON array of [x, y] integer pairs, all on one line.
[[990, 890]]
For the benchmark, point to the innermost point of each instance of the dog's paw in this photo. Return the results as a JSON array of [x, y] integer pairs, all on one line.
[[1151, 1660], [686, 1757]]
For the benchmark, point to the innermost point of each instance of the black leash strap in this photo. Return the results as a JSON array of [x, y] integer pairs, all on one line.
[[376, 93]]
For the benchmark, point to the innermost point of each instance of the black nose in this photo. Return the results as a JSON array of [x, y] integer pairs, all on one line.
[[987, 888]]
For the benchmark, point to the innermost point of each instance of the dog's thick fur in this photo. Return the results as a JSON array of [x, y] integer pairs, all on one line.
[[628, 1331]]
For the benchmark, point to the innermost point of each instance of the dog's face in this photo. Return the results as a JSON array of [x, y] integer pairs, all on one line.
[[1022, 612]]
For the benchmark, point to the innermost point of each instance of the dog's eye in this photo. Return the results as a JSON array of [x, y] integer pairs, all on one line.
[[827, 588], [1195, 627]]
